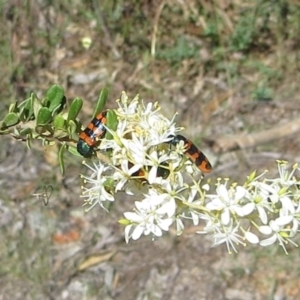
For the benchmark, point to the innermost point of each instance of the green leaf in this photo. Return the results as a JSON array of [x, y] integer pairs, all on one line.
[[75, 108], [22, 104], [10, 119], [44, 116], [25, 131], [34, 104], [61, 159], [101, 101], [54, 98], [60, 134], [74, 151], [59, 108], [59, 122], [26, 108], [72, 127], [42, 130], [13, 107], [28, 142], [112, 123]]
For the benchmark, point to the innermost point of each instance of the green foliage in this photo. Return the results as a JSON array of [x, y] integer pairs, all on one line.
[[10, 119], [230, 68], [43, 116], [61, 158], [48, 120], [112, 123], [262, 93], [101, 102], [55, 99], [75, 108], [267, 71], [181, 50], [243, 34]]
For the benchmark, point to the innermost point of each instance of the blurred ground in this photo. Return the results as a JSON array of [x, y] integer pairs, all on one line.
[[227, 68]]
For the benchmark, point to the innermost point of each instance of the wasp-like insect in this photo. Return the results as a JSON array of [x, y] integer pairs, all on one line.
[[193, 153], [91, 134]]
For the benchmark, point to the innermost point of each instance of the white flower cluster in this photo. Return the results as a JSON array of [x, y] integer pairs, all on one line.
[[140, 161], [262, 211]]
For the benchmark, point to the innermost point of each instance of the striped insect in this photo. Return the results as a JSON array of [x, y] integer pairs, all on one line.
[[193, 153], [160, 172], [141, 173], [91, 134]]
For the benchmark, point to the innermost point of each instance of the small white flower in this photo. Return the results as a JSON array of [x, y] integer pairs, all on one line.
[[99, 186], [122, 176], [193, 205], [270, 193], [291, 216], [152, 215], [226, 201], [259, 201], [156, 161], [136, 149], [158, 127], [227, 234], [287, 203], [280, 234], [127, 108], [286, 178]]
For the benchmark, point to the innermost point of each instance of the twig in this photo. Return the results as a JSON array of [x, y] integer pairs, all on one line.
[[155, 27], [242, 141]]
